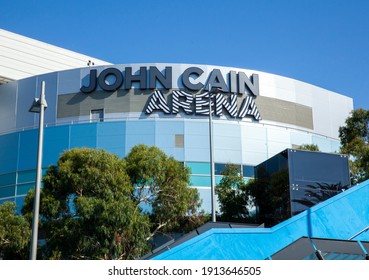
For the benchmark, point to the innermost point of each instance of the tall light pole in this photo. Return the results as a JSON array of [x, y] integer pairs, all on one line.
[[38, 106], [213, 91]]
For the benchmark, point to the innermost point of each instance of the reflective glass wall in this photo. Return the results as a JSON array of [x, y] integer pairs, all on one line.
[[295, 180], [242, 143]]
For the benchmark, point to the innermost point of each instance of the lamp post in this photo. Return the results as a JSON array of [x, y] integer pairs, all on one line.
[[213, 91], [38, 106]]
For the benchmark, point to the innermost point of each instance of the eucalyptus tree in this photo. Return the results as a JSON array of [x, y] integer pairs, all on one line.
[[15, 233], [95, 205]]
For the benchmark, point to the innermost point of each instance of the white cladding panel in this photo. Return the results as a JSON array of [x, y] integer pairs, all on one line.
[[23, 57], [329, 109]]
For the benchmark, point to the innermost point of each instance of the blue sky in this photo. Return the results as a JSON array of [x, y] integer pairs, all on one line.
[[322, 42]]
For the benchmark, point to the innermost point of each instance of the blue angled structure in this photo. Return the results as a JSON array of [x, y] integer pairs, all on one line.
[[344, 217]]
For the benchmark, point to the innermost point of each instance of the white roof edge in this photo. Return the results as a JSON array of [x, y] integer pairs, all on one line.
[[22, 57]]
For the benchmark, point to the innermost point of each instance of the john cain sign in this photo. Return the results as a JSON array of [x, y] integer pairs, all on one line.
[[236, 94]]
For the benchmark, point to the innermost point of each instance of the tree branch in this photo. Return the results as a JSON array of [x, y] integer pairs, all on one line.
[[156, 230]]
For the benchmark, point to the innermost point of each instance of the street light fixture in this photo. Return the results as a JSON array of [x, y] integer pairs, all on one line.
[[213, 91], [38, 106]]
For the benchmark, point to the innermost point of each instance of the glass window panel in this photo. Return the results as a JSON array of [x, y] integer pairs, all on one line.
[[9, 152], [319, 167], [308, 179], [315, 177], [219, 168], [197, 140], [217, 179], [139, 132], [323, 143], [7, 199], [7, 179], [164, 141], [199, 167], [205, 196], [140, 127], [83, 135], [111, 136], [26, 176], [274, 164], [23, 189], [28, 149], [19, 201], [273, 195], [227, 137], [200, 181], [248, 171], [168, 127], [300, 138], [56, 140], [7, 191], [305, 195], [134, 139], [196, 154]]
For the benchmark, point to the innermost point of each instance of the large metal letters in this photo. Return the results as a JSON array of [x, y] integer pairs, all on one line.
[[189, 95]]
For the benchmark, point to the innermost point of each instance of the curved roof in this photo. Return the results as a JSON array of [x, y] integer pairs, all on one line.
[[22, 57]]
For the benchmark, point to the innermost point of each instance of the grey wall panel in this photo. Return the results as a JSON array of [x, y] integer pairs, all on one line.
[[122, 101], [135, 100], [70, 105], [285, 112], [69, 81], [50, 95], [30, 88], [8, 95], [27, 91]]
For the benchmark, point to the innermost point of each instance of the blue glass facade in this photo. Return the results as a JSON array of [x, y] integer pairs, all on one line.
[[119, 119], [19, 149], [19, 152]]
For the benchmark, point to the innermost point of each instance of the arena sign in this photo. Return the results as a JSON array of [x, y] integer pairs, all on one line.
[[193, 98]]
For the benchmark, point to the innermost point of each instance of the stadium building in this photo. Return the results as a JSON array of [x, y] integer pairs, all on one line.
[[256, 117], [92, 103]]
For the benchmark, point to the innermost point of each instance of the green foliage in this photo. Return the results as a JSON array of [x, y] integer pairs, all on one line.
[[356, 127], [354, 138], [309, 147], [161, 183], [15, 233], [233, 196], [86, 209], [92, 201]]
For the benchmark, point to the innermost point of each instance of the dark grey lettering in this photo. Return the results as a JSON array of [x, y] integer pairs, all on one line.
[[216, 80], [233, 81], [248, 85], [92, 84], [110, 72], [164, 79], [140, 78], [192, 71]]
